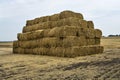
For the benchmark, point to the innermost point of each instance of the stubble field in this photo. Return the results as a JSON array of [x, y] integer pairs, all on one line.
[[105, 66]]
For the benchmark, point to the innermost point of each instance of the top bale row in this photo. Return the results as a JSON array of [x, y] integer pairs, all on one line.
[[55, 17]]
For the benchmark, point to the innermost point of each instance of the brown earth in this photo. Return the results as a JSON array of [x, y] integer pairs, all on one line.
[[105, 66]]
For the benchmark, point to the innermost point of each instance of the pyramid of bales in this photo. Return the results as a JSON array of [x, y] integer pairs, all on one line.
[[65, 34]]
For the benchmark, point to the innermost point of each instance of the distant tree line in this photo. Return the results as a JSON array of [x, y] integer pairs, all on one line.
[[117, 35]]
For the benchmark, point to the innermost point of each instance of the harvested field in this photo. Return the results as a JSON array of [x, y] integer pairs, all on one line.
[[105, 66]]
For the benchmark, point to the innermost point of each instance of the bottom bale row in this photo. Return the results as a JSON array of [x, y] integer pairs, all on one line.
[[62, 52], [56, 42]]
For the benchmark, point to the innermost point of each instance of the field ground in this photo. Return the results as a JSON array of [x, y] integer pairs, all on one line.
[[105, 66]]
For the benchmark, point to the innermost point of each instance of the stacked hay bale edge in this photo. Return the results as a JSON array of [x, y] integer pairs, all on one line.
[[66, 34]]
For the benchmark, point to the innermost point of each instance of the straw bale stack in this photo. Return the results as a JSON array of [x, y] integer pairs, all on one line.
[[65, 34]]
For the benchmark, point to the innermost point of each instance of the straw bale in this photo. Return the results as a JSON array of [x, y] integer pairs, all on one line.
[[83, 50], [36, 20], [90, 50], [30, 35], [79, 15], [50, 42], [90, 24], [80, 32], [44, 19], [91, 41], [28, 22], [77, 51], [28, 51], [52, 51], [82, 41], [15, 50], [69, 30], [45, 32], [64, 31], [90, 33], [99, 49], [41, 51], [71, 21], [26, 44], [16, 44], [40, 26], [54, 17], [70, 41], [86, 50], [44, 25], [97, 41], [54, 32], [37, 51], [18, 50], [66, 14], [58, 51], [98, 33], [83, 23], [74, 21], [29, 44], [68, 52], [41, 19], [72, 51], [21, 36]]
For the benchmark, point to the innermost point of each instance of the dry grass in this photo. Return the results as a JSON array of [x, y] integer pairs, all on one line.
[[104, 66], [111, 42]]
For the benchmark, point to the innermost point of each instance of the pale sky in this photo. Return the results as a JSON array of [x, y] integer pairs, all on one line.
[[13, 14]]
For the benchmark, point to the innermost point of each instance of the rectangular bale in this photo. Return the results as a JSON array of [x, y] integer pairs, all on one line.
[[64, 31], [91, 41], [30, 35], [98, 33], [89, 33], [97, 41], [66, 14], [90, 24], [70, 41], [49, 42], [19, 50]]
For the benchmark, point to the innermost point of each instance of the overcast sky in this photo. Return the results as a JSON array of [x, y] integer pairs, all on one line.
[[13, 14]]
